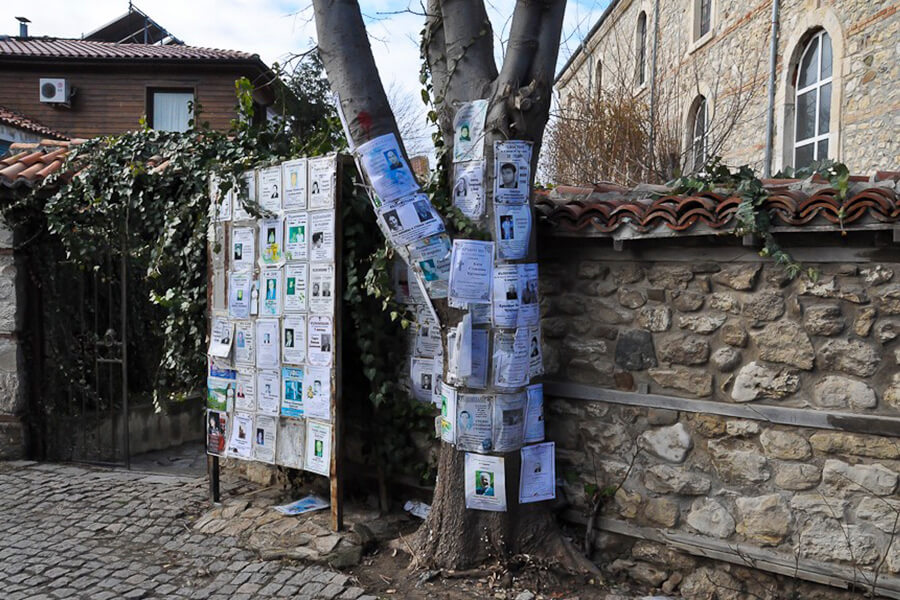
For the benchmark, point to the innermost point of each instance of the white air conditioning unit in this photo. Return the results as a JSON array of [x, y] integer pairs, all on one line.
[[54, 90]]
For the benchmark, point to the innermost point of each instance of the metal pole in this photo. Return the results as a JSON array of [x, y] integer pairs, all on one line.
[[770, 112], [123, 309]]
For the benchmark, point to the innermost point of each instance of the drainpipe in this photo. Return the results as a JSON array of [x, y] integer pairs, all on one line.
[[653, 83], [770, 113]]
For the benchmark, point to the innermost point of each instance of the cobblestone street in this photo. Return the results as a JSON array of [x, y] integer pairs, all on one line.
[[81, 532]]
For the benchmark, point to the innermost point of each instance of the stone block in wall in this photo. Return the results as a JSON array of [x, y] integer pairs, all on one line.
[[630, 298], [703, 324], [664, 479], [735, 335], [865, 319], [785, 342], [662, 512], [892, 393], [711, 583], [627, 273], [725, 302], [670, 277], [836, 391], [709, 517], [592, 269], [684, 350], [823, 319], [840, 478], [853, 357], [831, 287], [684, 301], [881, 512], [816, 503], [828, 539], [655, 318], [695, 382], [6, 236], [797, 476], [10, 316], [887, 331], [785, 445], [12, 439], [764, 306], [739, 462], [876, 274], [888, 300], [11, 399], [635, 350], [765, 520], [757, 381], [852, 444], [725, 359], [738, 277], [670, 443]]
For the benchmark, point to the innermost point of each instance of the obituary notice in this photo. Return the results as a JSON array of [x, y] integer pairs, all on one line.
[[317, 393], [468, 188], [410, 219], [505, 307], [319, 340], [534, 414], [512, 172], [239, 295], [321, 237], [268, 392], [295, 278], [244, 349], [293, 174], [537, 480], [511, 358], [318, 447], [240, 444], [321, 286], [509, 422], [512, 223], [292, 392], [296, 247], [243, 248], [475, 420], [386, 168], [485, 482], [471, 272], [322, 175], [267, 356], [270, 189], [264, 439], [431, 258], [468, 131]]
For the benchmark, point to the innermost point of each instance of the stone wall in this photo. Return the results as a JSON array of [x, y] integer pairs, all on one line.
[[728, 334], [12, 388]]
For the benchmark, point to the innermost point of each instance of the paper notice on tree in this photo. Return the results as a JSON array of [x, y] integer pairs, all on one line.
[[480, 359], [240, 444], [216, 428], [296, 247], [468, 131], [295, 287], [485, 482], [438, 380], [481, 314], [319, 341], [511, 358], [268, 392], [245, 391], [471, 272], [239, 287], [293, 340], [322, 175], [221, 337], [474, 422], [428, 334], [512, 223], [431, 259], [535, 353], [244, 348], [219, 201], [292, 392], [410, 219], [505, 307], [448, 413], [293, 174], [220, 387], [468, 188], [422, 375], [509, 422], [318, 447], [529, 309], [321, 236], [321, 288], [267, 344], [243, 249], [270, 189], [290, 442], [272, 282], [317, 393], [534, 414], [244, 195], [386, 168], [264, 438], [512, 172], [538, 476]]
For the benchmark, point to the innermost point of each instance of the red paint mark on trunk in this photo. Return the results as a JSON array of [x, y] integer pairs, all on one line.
[[365, 121]]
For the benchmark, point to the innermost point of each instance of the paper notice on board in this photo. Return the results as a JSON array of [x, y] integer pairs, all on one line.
[[534, 413], [509, 422], [240, 444], [268, 392], [448, 413], [512, 223], [220, 202], [245, 392], [511, 358], [296, 247], [292, 392], [431, 258], [321, 236], [290, 442], [386, 168], [421, 373], [239, 287], [293, 175], [264, 438], [217, 247], [410, 219], [471, 272], [480, 359], [220, 387], [318, 447], [468, 188], [270, 189], [295, 288], [529, 309], [293, 340], [505, 307], [321, 288], [538, 475], [485, 482], [267, 344], [319, 341], [244, 348], [221, 337], [216, 428], [468, 130], [244, 194], [512, 172], [535, 353], [474, 423], [272, 282], [322, 175], [317, 393], [271, 242], [243, 248], [428, 334]]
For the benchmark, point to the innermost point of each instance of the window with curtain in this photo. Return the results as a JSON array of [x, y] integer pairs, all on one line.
[[813, 102], [171, 109], [699, 126], [704, 17], [641, 47]]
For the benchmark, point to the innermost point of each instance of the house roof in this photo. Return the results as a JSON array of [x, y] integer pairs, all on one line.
[[27, 164], [44, 48], [610, 210], [20, 121]]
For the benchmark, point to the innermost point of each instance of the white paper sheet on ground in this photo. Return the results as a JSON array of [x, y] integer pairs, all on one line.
[[293, 340], [386, 168], [321, 288], [535, 352], [267, 344], [468, 130], [216, 431], [509, 421], [537, 481], [220, 387], [474, 423], [410, 219], [293, 175], [295, 287], [317, 393], [448, 413], [512, 225], [292, 404], [480, 359], [245, 391], [529, 309], [471, 272], [268, 392], [244, 194], [512, 172], [318, 447], [505, 307], [239, 287], [220, 202], [321, 236], [244, 347], [322, 175], [485, 482], [303, 505], [240, 442], [510, 358], [468, 188], [431, 259], [265, 430], [319, 341], [290, 443], [270, 189], [243, 248], [417, 509], [422, 375], [220, 298], [296, 245], [534, 413], [428, 334], [272, 285], [221, 337], [271, 242]]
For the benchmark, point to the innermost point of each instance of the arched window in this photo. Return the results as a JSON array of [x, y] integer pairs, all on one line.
[[699, 124], [641, 47], [813, 102]]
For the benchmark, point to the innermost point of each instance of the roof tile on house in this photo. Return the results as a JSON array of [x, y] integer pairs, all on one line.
[[29, 164], [56, 48], [20, 121]]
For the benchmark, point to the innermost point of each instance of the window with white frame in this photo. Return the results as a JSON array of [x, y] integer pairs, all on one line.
[[641, 48], [170, 109], [812, 126], [699, 123]]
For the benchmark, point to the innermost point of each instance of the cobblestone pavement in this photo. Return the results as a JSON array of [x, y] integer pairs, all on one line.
[[80, 532]]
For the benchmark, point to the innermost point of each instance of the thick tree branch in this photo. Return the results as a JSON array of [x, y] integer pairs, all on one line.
[[470, 50], [434, 52]]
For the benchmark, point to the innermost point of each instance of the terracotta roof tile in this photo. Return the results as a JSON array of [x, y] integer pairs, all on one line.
[[59, 48], [30, 163], [20, 121]]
